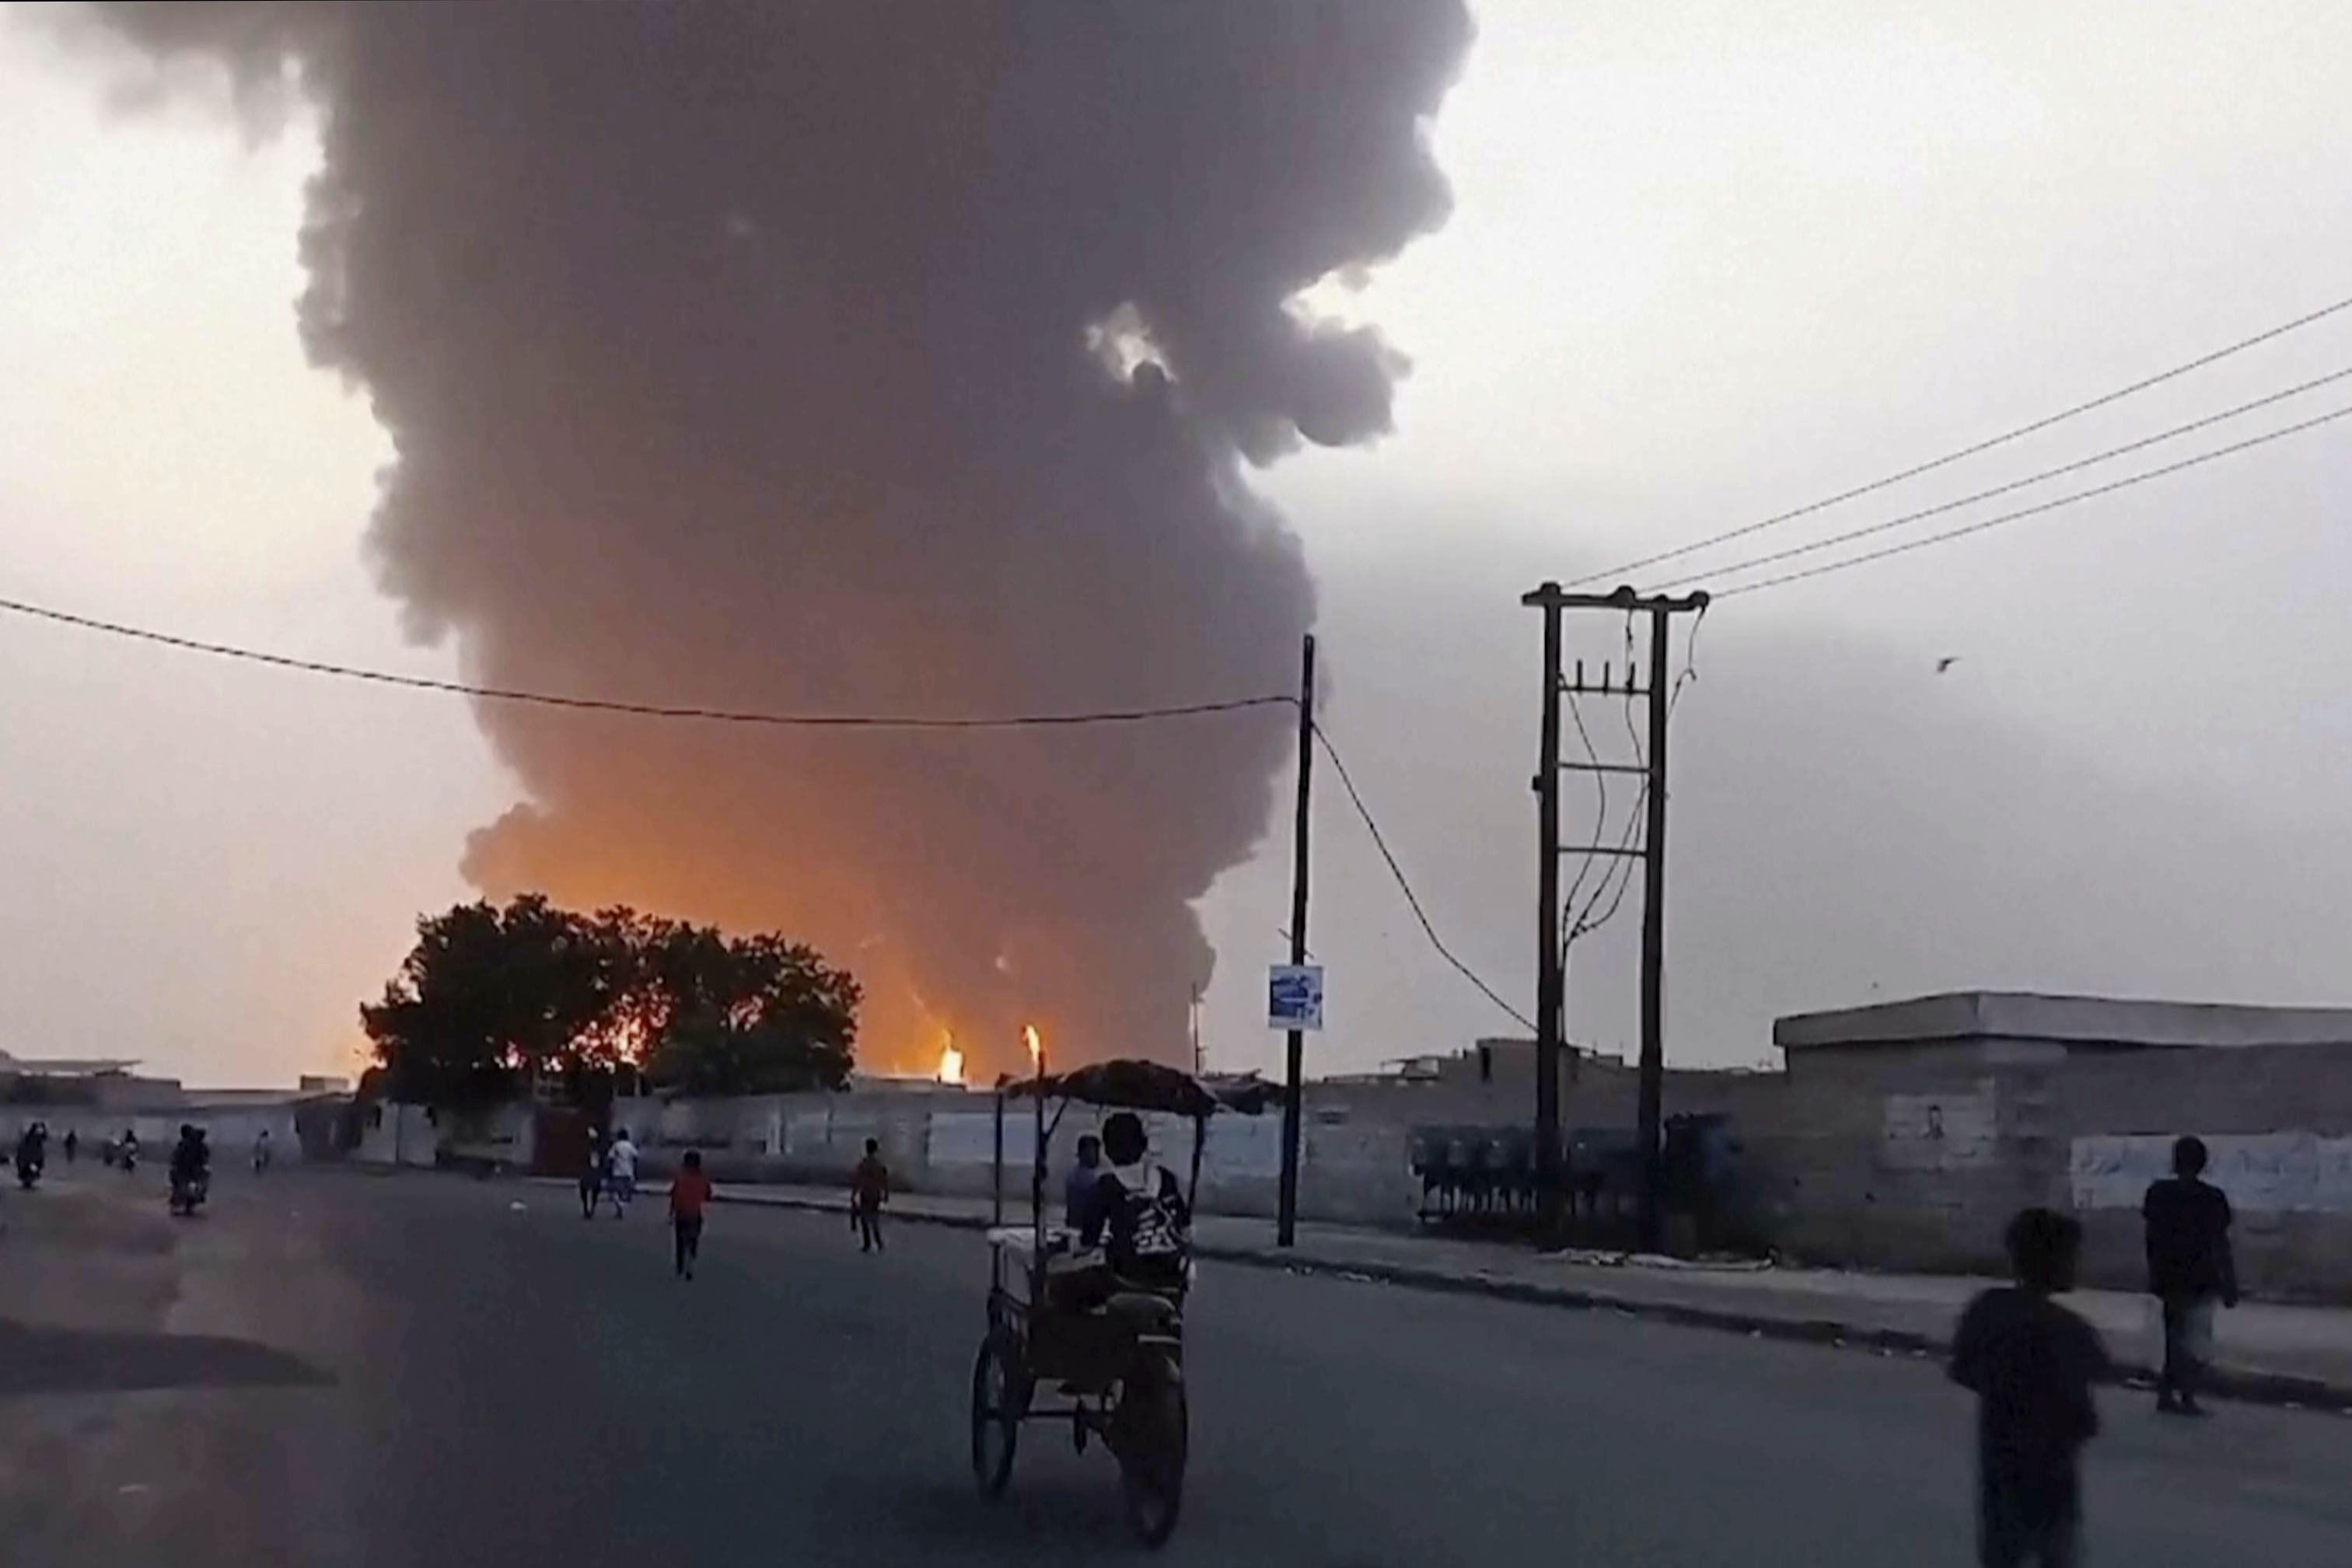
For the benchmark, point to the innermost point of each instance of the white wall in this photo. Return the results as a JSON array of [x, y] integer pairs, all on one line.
[[392, 1133]]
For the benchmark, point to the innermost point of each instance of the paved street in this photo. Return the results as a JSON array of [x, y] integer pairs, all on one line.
[[337, 1369]]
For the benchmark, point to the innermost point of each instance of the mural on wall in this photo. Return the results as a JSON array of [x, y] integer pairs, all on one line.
[[1245, 1148], [806, 1133], [1952, 1131], [1238, 1147], [969, 1137], [2263, 1173]]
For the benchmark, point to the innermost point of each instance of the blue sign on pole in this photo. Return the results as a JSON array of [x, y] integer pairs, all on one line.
[[1294, 997]]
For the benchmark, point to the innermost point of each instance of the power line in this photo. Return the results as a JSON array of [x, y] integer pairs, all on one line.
[[1948, 535], [2093, 461], [1381, 844], [1600, 786], [638, 710], [1983, 446], [1689, 677], [1584, 924], [1632, 730]]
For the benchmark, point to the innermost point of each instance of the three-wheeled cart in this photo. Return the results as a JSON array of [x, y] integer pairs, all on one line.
[[1109, 1367]]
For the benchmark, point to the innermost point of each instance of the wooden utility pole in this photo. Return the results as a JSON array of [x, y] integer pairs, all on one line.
[[1285, 1230], [1552, 960], [1652, 1104], [1550, 970]]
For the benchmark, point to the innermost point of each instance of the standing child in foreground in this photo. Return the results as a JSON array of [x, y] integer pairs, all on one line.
[[869, 1188], [688, 1191], [2189, 1267], [2030, 1362]]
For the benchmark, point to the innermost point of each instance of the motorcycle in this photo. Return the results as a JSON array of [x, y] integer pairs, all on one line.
[[28, 1173], [188, 1192]]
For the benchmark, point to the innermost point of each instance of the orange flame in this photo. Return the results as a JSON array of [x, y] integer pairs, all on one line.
[[1037, 1047], [950, 1064]]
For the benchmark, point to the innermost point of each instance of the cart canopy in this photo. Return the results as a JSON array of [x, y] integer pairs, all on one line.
[[1124, 1084]]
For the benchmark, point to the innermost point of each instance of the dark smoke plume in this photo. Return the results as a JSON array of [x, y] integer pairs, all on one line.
[[854, 356]]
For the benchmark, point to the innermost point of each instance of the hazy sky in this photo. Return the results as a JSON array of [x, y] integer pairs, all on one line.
[[1707, 263]]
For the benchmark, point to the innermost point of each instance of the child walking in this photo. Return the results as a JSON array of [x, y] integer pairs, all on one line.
[[688, 1191], [621, 1173], [2030, 1362], [592, 1175], [869, 1188]]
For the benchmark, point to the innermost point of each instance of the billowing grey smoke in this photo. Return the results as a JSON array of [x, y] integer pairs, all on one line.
[[842, 357]]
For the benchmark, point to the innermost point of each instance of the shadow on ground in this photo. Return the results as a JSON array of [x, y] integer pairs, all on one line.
[[1055, 1515], [43, 1360]]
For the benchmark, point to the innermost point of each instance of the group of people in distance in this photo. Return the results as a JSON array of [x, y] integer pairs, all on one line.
[[1127, 1217], [609, 1175], [2032, 1363]]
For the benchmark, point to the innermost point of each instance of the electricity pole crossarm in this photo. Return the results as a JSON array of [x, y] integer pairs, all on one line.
[[1550, 957], [1552, 596]]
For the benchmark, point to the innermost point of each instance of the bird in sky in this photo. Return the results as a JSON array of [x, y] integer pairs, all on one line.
[[1947, 662]]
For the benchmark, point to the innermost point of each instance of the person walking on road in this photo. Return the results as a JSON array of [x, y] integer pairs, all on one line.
[[689, 1190], [621, 1173], [73, 1144], [869, 1190], [2031, 1363], [592, 1175], [2189, 1268]]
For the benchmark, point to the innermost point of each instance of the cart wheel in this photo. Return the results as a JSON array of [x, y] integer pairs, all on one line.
[[1152, 1451], [998, 1401]]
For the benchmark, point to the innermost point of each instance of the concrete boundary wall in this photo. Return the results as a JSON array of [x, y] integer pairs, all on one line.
[[1353, 1170], [1906, 1156]]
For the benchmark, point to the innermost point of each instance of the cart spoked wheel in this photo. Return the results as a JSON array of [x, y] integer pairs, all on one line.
[[999, 1399], [1154, 1438]]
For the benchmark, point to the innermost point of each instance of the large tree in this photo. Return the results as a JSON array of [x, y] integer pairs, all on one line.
[[758, 1015], [491, 996]]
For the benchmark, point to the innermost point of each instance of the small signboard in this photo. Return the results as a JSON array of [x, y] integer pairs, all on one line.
[[1294, 997]]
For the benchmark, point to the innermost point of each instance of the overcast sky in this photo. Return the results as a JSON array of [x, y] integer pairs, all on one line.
[[1707, 263]]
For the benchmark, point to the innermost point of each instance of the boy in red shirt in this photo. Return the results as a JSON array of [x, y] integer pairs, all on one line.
[[688, 1191]]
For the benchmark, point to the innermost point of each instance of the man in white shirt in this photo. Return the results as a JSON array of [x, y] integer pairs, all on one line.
[[621, 1172]]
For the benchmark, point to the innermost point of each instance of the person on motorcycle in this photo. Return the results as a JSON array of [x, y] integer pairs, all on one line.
[[192, 1159], [32, 1151]]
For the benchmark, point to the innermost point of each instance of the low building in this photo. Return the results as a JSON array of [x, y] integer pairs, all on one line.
[[99, 1082], [99, 1099], [1912, 1130]]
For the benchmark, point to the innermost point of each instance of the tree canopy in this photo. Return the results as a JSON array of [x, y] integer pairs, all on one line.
[[492, 996]]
